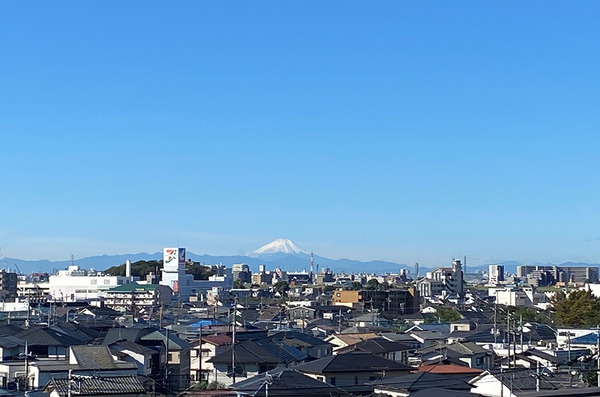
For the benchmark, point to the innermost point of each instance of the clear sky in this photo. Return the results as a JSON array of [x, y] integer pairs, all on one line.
[[402, 130]]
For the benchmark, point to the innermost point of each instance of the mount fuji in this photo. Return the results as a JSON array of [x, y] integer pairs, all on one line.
[[277, 248]]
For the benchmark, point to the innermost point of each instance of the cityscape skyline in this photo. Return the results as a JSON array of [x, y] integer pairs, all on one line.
[[406, 132]]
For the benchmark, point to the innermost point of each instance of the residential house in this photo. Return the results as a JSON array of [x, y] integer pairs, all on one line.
[[83, 361], [313, 347], [521, 382], [143, 357], [94, 386], [407, 385], [46, 342], [343, 340], [382, 347], [177, 354], [252, 358], [285, 382], [352, 371]]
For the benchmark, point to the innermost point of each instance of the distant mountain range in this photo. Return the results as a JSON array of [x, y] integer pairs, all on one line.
[[281, 253]]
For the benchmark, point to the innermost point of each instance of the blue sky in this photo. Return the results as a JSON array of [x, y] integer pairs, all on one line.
[[404, 131]]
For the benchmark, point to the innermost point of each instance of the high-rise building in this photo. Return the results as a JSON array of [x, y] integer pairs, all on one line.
[[495, 274]]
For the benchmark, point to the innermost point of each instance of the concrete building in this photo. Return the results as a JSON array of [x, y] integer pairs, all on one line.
[[241, 271], [137, 298], [563, 274], [76, 284], [8, 286], [525, 297], [173, 272], [495, 274], [450, 278], [404, 300]]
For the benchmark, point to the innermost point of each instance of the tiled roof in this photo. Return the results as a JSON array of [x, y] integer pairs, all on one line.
[[91, 385], [351, 339], [420, 381], [527, 380], [93, 357], [285, 382], [8, 341], [134, 347], [217, 340], [377, 345], [246, 352], [352, 362], [132, 334], [175, 342], [38, 336], [448, 369]]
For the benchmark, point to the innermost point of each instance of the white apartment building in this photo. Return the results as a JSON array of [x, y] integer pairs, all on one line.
[[495, 274], [76, 284]]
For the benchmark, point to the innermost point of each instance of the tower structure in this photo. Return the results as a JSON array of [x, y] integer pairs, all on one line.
[[173, 270]]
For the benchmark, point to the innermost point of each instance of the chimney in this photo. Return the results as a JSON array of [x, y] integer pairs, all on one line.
[[128, 268]]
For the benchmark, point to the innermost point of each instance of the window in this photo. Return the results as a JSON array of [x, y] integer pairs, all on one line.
[[356, 380], [107, 281], [94, 282], [332, 381]]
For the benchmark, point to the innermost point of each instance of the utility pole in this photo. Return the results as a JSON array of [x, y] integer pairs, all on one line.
[[598, 353], [26, 368], [233, 340], [69, 381], [166, 359], [200, 378]]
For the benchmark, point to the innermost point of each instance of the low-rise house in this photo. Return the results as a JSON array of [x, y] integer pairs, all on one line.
[[94, 386], [352, 371], [285, 382], [468, 353], [177, 353], [46, 342], [200, 366], [406, 385], [382, 347], [11, 347], [83, 361], [313, 347], [340, 341], [251, 358], [428, 338], [143, 357], [521, 382]]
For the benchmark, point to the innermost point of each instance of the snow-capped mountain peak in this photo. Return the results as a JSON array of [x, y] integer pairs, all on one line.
[[279, 246]]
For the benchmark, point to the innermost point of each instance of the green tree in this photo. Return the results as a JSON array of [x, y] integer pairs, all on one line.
[[446, 315], [356, 286], [239, 284], [527, 314], [139, 268], [576, 309], [282, 286], [372, 284], [199, 271]]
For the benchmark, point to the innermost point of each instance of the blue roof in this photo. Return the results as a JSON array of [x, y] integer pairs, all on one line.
[[588, 339], [204, 323]]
